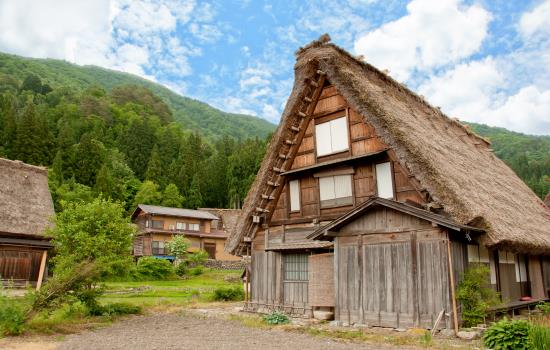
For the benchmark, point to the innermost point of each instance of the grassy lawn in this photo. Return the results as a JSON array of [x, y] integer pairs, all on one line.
[[174, 292]]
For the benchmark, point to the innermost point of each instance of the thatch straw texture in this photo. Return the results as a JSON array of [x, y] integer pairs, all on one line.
[[455, 166], [26, 205], [228, 217]]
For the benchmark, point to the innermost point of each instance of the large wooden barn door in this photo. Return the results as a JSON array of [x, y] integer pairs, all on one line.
[[15, 265], [394, 281]]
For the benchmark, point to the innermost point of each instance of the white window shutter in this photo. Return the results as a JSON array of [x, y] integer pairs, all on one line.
[[294, 187], [339, 134], [384, 180], [342, 186], [326, 188], [322, 139]]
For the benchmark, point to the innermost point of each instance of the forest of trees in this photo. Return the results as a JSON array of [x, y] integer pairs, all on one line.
[[121, 144]]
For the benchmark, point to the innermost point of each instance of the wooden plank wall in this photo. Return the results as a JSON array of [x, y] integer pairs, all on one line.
[[20, 263], [395, 279], [546, 274], [270, 292]]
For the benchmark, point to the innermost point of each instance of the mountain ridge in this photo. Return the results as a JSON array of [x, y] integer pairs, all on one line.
[[190, 113]]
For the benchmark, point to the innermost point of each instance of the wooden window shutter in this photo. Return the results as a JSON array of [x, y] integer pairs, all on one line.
[[294, 187], [384, 180]]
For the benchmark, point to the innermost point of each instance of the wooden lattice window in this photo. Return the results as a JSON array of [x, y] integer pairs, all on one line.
[[296, 267]]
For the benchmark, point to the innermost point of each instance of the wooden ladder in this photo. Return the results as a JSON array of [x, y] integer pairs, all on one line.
[[291, 141]]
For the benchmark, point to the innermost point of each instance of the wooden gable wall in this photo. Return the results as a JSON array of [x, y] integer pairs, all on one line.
[[362, 140]]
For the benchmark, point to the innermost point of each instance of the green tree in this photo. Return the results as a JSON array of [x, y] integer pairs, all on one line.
[[56, 170], [178, 247], [154, 167], [194, 198], [33, 140], [104, 183], [8, 126], [148, 194], [32, 83], [171, 197], [88, 157]]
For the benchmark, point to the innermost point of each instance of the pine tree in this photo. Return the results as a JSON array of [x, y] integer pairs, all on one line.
[[32, 83], [28, 142], [137, 143], [155, 170], [104, 183], [88, 157], [148, 194], [56, 170], [171, 197], [8, 126], [194, 198]]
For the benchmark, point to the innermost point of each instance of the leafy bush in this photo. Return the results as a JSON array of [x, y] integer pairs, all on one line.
[[114, 309], [539, 337], [197, 258], [229, 294], [426, 339], [181, 269], [276, 318], [178, 246], [507, 335], [151, 268], [544, 308], [196, 271], [475, 296], [13, 315]]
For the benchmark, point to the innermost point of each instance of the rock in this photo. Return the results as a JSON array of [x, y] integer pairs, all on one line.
[[360, 325], [345, 324], [323, 315], [447, 333], [335, 323], [468, 335], [400, 330]]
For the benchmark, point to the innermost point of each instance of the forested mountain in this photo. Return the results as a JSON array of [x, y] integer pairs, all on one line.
[[528, 155], [121, 144], [189, 113]]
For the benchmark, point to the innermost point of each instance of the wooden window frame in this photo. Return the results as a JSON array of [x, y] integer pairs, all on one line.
[[392, 173], [155, 227], [336, 205], [289, 201], [326, 119]]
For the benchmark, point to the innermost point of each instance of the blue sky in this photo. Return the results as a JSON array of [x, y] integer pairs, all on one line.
[[482, 61]]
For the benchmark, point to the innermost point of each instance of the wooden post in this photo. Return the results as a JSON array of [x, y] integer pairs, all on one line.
[[42, 269], [452, 280]]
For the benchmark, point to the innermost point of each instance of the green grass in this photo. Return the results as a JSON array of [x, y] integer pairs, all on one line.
[[173, 292]]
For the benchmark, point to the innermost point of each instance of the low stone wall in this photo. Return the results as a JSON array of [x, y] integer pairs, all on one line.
[[225, 265]]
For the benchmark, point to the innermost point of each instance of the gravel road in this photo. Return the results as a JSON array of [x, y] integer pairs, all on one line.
[[179, 331]]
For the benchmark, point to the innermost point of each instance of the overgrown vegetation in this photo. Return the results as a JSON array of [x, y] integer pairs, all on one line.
[[276, 318], [544, 308], [508, 335], [475, 295], [150, 268], [235, 293]]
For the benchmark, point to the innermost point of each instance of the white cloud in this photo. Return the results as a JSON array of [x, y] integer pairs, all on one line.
[[432, 34], [54, 28], [477, 91], [536, 21], [140, 18]]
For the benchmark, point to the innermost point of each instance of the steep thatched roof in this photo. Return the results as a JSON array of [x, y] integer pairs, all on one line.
[[455, 166], [228, 217], [25, 202], [547, 199]]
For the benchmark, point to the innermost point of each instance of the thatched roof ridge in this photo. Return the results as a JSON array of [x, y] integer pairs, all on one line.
[[170, 211], [26, 205], [228, 217], [455, 166]]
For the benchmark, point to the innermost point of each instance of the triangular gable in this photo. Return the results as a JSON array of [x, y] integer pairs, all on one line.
[[375, 202]]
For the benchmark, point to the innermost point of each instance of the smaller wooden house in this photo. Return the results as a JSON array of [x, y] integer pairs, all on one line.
[[158, 225], [26, 208]]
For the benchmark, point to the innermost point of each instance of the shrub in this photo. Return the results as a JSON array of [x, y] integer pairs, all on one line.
[[178, 247], [196, 271], [276, 318], [544, 308], [114, 309], [475, 296], [539, 337], [507, 335], [13, 314], [151, 268], [197, 258], [426, 339], [181, 269], [229, 294]]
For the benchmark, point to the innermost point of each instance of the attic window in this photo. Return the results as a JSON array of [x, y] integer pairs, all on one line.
[[335, 191], [331, 137], [384, 180]]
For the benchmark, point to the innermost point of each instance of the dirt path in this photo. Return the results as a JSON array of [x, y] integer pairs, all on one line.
[[191, 331]]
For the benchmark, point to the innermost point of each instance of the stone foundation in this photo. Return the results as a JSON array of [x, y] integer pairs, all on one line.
[[225, 265]]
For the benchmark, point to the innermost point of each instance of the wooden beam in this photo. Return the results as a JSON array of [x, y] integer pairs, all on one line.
[[295, 128], [283, 156], [307, 99], [42, 269], [262, 210], [320, 72], [268, 197], [302, 114], [278, 170], [273, 184], [289, 142], [452, 281]]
